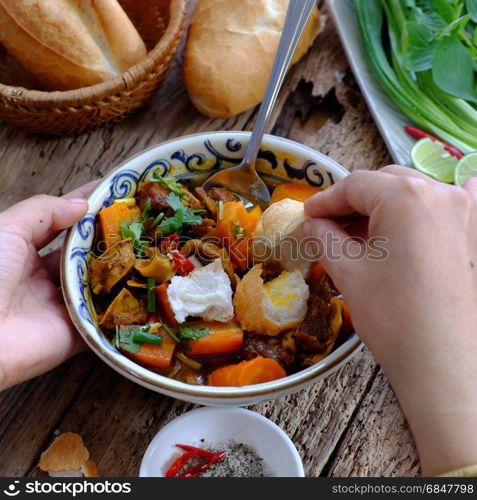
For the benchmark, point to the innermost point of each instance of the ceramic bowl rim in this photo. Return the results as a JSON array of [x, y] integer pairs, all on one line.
[[165, 385]]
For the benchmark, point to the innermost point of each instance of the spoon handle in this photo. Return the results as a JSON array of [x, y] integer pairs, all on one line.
[[297, 16]]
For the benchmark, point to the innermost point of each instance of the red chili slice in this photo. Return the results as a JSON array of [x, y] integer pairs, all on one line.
[[417, 133], [202, 467]]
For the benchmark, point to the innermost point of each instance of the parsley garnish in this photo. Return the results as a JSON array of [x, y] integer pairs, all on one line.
[[135, 231], [182, 216]]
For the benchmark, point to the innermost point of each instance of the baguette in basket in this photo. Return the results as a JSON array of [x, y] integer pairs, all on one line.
[[69, 44]]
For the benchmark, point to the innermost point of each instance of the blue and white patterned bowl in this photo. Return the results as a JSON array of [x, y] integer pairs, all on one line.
[[193, 157]]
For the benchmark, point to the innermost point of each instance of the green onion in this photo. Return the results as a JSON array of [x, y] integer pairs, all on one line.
[[151, 296], [175, 187], [146, 338], [221, 210], [158, 220], [171, 334]]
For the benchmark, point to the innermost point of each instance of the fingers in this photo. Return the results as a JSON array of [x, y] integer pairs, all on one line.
[[337, 244], [400, 171], [471, 187], [51, 261], [38, 219], [83, 191], [359, 192]]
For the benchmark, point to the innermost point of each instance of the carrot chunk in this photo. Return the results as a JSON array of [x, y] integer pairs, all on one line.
[[223, 338], [235, 228], [293, 191], [158, 356], [111, 218], [163, 300], [256, 371]]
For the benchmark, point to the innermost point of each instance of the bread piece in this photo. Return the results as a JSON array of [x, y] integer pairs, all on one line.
[[68, 44], [205, 293], [271, 308], [230, 52], [279, 237], [67, 456]]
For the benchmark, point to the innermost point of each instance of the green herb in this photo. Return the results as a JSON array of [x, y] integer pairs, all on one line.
[[182, 216], [423, 52], [170, 332], [151, 296], [126, 342], [158, 219], [143, 337], [146, 210], [186, 333], [175, 187], [221, 210], [238, 230], [135, 231]]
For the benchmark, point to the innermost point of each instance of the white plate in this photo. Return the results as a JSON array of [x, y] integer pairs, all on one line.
[[389, 119], [217, 426]]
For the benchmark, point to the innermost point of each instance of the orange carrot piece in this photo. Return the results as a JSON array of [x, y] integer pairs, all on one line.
[[111, 218], [347, 326], [235, 215], [224, 338], [256, 371], [293, 191], [135, 213], [158, 356], [165, 306]]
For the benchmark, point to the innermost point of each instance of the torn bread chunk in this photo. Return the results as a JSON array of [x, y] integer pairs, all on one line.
[[67, 456], [273, 307], [205, 293]]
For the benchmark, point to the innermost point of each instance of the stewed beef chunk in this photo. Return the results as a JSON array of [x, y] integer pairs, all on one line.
[[269, 347], [156, 192]]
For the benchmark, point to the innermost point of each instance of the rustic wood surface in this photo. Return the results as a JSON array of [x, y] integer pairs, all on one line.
[[347, 425]]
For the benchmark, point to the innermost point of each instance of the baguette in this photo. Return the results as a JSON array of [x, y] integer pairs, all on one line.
[[69, 44], [230, 52]]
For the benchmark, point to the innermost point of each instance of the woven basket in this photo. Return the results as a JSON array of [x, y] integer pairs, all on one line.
[[160, 23]]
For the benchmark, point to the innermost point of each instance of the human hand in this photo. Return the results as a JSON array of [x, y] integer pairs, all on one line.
[[35, 329], [416, 309]]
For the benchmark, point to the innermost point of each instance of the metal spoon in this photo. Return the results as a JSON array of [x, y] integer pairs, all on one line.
[[243, 179]]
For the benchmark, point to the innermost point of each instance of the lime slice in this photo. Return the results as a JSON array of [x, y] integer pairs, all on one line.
[[432, 159], [466, 168]]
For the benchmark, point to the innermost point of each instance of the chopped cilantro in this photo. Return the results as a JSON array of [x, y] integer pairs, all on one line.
[[182, 216], [135, 231], [175, 187], [146, 210]]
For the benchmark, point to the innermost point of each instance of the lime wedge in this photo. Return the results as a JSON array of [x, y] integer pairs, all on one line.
[[432, 159], [466, 168]]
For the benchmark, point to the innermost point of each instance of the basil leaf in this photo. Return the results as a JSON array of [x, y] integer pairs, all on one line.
[[453, 69]]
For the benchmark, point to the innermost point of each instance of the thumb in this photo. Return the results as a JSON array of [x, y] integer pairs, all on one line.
[[339, 250], [471, 186], [37, 220]]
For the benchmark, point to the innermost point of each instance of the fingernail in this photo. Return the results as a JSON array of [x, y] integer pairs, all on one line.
[[77, 201]]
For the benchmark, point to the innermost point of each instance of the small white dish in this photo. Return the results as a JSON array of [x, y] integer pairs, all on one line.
[[217, 426]]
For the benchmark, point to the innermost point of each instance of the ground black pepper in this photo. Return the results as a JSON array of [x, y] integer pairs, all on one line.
[[240, 460]]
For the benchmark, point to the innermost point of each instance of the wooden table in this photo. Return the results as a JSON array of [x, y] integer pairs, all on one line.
[[347, 425]]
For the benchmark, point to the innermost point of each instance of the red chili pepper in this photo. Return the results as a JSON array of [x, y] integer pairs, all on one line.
[[202, 467], [183, 265], [169, 244], [417, 133], [179, 463], [199, 451]]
